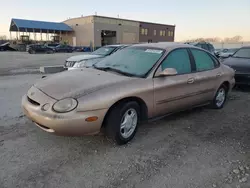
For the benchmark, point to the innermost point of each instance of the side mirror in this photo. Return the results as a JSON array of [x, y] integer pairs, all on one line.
[[168, 72]]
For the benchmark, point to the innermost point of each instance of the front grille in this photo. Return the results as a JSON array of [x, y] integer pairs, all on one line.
[[70, 63], [33, 102]]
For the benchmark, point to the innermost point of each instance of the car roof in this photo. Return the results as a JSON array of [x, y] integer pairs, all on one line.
[[116, 45], [164, 45], [246, 47]]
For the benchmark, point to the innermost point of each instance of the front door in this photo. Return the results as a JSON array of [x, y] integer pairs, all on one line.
[[173, 93]]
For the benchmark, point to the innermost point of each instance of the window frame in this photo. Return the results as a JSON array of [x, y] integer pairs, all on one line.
[[192, 65], [215, 61]]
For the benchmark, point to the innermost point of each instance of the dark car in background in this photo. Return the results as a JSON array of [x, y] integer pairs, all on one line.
[[240, 62], [228, 53], [64, 48], [34, 49], [204, 45]]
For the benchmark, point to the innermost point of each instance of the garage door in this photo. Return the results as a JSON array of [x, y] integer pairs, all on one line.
[[128, 38]]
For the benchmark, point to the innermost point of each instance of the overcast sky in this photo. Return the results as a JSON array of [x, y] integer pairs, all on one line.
[[193, 18]]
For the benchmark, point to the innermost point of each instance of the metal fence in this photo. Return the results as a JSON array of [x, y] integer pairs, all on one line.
[[230, 45]]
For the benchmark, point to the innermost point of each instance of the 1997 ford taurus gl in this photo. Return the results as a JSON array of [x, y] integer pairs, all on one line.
[[141, 82]]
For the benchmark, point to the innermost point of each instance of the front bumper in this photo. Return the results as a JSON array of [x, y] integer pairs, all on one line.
[[67, 124], [242, 79]]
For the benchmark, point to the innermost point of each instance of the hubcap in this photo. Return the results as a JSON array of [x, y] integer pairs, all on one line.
[[128, 123], [221, 96]]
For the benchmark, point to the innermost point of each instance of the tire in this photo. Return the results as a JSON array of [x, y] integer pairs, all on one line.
[[32, 51], [115, 119], [219, 101]]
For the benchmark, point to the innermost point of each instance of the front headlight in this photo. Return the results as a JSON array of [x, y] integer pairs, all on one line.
[[80, 64], [65, 105]]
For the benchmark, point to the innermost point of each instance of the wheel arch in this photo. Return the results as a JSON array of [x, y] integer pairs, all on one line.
[[141, 103], [227, 84]]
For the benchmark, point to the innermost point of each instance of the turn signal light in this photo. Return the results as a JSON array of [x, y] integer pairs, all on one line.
[[91, 119]]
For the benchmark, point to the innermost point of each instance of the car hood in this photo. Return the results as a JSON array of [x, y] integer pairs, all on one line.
[[78, 83], [238, 64], [83, 57]]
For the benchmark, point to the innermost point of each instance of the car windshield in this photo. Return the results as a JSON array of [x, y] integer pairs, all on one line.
[[242, 53], [133, 61], [232, 50], [104, 51]]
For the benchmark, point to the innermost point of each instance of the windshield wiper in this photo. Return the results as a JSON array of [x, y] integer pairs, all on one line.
[[114, 70]]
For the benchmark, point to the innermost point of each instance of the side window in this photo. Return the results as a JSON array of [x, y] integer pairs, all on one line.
[[205, 46], [178, 59], [216, 61], [203, 60], [198, 45], [211, 48]]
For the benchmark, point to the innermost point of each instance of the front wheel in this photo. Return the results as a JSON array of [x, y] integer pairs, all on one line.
[[122, 122], [220, 98]]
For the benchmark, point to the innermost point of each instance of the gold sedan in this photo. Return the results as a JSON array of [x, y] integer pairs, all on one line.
[[141, 82]]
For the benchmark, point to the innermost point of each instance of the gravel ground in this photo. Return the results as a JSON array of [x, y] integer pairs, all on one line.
[[200, 148], [22, 62]]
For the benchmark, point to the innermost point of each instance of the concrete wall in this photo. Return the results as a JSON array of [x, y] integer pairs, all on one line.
[[158, 27], [83, 31], [123, 29]]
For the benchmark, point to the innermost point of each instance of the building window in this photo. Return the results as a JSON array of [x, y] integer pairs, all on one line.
[[172, 33], [160, 32], [154, 32], [164, 33], [146, 31], [169, 33], [142, 31]]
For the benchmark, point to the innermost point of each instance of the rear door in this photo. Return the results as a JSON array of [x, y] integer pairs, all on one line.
[[173, 93], [207, 72]]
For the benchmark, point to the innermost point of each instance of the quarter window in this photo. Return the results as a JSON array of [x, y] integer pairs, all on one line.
[[178, 59], [203, 60]]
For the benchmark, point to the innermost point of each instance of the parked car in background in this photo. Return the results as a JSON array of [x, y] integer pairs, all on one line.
[[64, 48], [33, 49], [218, 51], [228, 53], [80, 61], [53, 45], [140, 82], [204, 45], [240, 62], [6, 47]]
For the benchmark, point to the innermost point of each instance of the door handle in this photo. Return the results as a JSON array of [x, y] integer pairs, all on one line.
[[190, 80], [218, 74]]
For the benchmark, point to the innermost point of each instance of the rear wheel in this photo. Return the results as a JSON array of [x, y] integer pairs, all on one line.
[[122, 122], [220, 98]]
